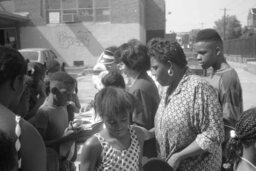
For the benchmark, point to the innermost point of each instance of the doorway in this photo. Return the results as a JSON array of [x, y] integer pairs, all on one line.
[[8, 37]]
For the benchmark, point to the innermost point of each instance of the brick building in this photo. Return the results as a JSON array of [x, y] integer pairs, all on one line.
[[78, 30]]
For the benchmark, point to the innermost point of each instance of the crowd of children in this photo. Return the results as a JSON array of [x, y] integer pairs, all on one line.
[[176, 125]]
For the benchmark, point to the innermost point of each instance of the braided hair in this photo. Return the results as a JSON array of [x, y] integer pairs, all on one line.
[[245, 135]]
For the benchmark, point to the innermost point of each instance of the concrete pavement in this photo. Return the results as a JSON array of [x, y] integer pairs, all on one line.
[[248, 82]]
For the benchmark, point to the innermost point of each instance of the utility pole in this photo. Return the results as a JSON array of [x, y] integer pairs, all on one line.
[[224, 23], [202, 25]]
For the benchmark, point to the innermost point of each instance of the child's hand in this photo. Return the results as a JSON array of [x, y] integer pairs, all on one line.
[[147, 134]]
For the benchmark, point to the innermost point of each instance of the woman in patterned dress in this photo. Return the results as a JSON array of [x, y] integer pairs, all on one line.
[[118, 146], [188, 122]]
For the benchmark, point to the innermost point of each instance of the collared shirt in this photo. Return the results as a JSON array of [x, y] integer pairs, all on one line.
[[192, 113]]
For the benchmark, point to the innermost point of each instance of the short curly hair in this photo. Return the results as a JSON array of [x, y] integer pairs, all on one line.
[[12, 64], [134, 56], [165, 51]]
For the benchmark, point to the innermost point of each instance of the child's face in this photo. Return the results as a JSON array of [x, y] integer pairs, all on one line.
[[63, 93], [117, 125]]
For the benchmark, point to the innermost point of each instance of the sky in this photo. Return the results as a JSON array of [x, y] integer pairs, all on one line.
[[185, 15]]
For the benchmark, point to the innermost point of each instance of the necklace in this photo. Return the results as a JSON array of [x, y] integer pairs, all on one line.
[[247, 161]]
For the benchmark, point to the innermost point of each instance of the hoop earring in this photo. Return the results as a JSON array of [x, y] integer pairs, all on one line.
[[170, 72]]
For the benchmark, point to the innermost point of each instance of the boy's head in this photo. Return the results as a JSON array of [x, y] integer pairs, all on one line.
[[208, 47], [62, 86], [8, 154]]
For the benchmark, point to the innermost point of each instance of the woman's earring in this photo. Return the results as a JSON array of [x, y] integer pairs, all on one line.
[[170, 72]]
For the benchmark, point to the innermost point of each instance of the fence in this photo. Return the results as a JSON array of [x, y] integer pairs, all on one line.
[[244, 47]]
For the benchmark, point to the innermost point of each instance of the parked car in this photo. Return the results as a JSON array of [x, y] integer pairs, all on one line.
[[41, 55]]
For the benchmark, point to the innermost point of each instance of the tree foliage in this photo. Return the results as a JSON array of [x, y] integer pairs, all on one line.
[[233, 28]]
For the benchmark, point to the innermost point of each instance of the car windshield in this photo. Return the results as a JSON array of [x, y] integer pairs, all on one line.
[[32, 56]]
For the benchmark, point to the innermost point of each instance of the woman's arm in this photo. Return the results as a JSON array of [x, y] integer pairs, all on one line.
[[207, 122], [191, 150], [91, 152]]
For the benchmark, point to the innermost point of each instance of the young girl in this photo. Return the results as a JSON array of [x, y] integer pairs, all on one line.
[[242, 145], [118, 146]]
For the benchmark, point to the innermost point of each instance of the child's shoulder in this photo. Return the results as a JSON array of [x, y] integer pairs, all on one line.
[[92, 142]]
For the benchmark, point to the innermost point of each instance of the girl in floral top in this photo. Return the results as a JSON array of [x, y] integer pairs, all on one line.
[[188, 123], [118, 146]]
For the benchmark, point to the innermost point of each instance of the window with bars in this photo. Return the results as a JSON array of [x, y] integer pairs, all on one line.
[[64, 11]]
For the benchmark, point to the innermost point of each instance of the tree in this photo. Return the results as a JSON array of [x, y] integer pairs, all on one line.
[[233, 28], [246, 32]]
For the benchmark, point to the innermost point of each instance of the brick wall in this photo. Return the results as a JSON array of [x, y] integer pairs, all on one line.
[[34, 7], [125, 11], [155, 14]]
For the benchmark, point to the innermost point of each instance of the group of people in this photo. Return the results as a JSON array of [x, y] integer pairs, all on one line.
[[38, 102], [150, 105]]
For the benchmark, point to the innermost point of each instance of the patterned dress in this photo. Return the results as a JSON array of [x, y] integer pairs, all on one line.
[[120, 160], [192, 113]]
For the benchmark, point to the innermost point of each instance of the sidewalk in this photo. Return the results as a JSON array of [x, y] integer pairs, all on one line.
[[247, 76]]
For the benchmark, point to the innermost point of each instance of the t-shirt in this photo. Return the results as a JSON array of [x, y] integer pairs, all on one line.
[[229, 90]]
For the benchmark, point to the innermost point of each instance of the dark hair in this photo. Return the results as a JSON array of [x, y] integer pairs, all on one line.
[[245, 135], [113, 78], [63, 77], [110, 50], [118, 52], [111, 101], [36, 68], [134, 56], [165, 51], [208, 35], [12, 64], [53, 66], [8, 154]]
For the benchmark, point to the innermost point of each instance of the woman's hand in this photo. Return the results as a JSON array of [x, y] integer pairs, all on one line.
[[174, 161]]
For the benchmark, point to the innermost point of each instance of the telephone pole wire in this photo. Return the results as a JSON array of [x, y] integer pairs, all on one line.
[[224, 23]]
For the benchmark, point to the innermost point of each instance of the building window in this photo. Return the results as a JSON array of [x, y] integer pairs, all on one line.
[[64, 11]]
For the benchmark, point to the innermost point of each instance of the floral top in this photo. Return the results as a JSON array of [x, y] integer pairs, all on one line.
[[192, 113], [120, 160]]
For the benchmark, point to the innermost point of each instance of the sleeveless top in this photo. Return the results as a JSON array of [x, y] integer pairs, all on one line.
[[119, 160], [17, 142]]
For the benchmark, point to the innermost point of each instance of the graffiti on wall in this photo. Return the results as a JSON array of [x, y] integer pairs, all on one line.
[[80, 39]]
